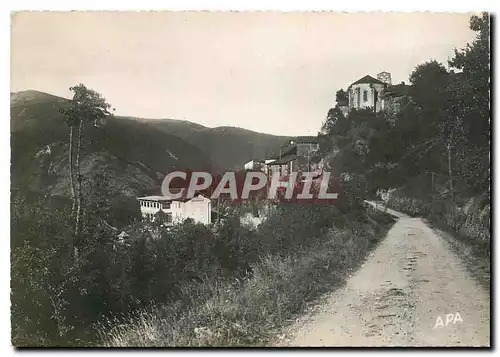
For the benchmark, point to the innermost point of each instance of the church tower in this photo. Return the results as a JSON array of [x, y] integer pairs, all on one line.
[[385, 77]]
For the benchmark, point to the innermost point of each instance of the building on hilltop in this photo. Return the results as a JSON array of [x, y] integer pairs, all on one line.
[[378, 94], [365, 93]]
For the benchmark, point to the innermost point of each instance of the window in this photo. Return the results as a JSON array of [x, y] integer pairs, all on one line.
[[365, 96], [169, 218], [165, 205]]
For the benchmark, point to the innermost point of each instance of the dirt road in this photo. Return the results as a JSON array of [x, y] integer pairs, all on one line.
[[411, 291]]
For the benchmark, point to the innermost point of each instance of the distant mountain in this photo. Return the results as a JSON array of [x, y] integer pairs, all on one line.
[[31, 97], [135, 152], [136, 156], [229, 147]]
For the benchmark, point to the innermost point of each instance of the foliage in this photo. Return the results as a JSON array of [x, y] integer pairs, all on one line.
[[443, 107], [242, 282], [55, 302], [249, 311], [341, 97], [135, 155]]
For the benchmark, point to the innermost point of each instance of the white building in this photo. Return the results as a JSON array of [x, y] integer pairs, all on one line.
[[254, 164], [258, 164], [367, 93], [199, 208], [378, 94]]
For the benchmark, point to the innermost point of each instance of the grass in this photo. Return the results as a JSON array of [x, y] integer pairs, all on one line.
[[251, 311]]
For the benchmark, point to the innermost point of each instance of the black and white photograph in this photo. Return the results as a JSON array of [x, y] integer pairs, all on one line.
[[248, 179]]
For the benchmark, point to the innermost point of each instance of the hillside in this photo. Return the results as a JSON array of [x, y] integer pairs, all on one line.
[[135, 156], [228, 147], [224, 148]]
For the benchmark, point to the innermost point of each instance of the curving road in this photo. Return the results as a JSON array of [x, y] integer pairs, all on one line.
[[411, 291]]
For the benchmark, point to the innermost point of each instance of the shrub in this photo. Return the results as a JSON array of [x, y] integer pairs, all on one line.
[[246, 312]]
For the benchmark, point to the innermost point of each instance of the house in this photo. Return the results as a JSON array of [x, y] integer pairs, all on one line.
[[297, 154], [252, 164], [172, 211], [259, 164], [306, 145], [378, 94]]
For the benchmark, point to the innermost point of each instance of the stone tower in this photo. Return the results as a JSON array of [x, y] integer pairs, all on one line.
[[384, 77]]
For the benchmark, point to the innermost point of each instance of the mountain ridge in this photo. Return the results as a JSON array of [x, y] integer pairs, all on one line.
[[134, 156], [229, 147], [33, 95]]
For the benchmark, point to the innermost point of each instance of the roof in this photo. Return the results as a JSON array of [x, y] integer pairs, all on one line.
[[284, 160], [123, 234], [154, 198], [168, 199], [281, 150], [305, 139], [397, 90], [255, 160], [288, 151], [368, 79]]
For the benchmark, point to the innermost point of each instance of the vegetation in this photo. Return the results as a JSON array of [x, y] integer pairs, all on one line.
[[122, 280], [250, 311], [87, 107], [441, 132], [434, 152], [136, 156], [239, 282], [140, 284]]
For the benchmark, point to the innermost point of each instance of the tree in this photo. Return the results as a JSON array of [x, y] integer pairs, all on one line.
[[87, 106], [341, 97], [470, 88]]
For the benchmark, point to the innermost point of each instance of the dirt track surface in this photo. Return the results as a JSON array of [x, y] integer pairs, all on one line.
[[397, 297]]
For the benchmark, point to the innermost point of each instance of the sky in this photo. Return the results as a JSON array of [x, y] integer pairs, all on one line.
[[269, 72]]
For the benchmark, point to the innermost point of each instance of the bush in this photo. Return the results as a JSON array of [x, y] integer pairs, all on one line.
[[412, 206], [166, 283], [246, 312]]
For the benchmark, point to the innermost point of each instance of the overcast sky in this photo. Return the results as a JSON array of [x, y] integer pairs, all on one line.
[[269, 72]]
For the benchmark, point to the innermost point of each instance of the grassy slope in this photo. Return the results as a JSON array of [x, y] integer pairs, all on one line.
[[252, 312]]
